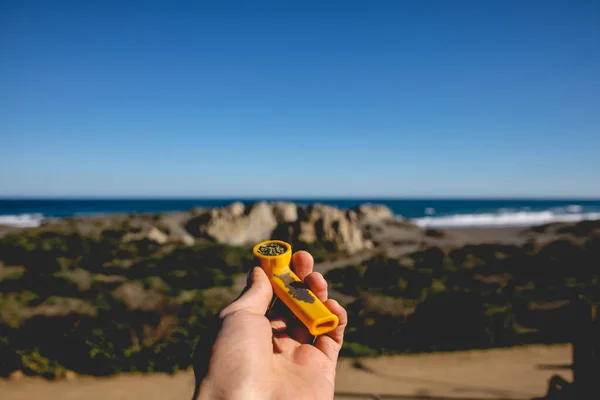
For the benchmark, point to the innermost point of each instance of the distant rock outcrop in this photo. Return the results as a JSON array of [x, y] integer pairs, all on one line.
[[240, 225], [149, 232], [285, 212], [373, 212], [235, 224]]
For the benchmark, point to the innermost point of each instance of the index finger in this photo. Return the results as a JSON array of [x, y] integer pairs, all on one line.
[[302, 264]]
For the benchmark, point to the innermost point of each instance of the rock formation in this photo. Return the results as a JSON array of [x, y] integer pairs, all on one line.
[[240, 225], [373, 212]]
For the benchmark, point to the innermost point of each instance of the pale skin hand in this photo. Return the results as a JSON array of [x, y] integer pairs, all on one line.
[[254, 357]]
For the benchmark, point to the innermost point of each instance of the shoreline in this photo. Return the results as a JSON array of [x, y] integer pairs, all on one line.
[[353, 232], [445, 214], [43, 220], [432, 236]]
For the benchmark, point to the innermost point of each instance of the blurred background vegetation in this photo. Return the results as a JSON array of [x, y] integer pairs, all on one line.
[[100, 305]]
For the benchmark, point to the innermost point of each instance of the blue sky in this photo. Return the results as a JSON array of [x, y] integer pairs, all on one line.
[[300, 98]]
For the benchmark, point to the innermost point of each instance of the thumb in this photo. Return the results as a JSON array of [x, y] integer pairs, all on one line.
[[256, 297]]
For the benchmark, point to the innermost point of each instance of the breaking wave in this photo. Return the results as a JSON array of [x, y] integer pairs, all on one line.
[[522, 216], [518, 218], [22, 220]]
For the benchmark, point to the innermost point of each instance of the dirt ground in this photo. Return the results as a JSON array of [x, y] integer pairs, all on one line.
[[516, 373]]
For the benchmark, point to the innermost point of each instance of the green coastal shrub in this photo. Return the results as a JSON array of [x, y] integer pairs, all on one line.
[[98, 305], [351, 349], [101, 306], [346, 280]]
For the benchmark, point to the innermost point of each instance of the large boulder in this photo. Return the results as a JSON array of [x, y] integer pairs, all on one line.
[[236, 209], [285, 212], [235, 224], [135, 297], [146, 232], [328, 224], [261, 223], [58, 306], [157, 236], [172, 223], [373, 212]]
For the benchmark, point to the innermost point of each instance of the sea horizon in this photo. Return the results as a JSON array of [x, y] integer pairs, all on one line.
[[435, 212], [290, 198]]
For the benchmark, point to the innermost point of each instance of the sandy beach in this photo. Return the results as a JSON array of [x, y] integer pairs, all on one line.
[[515, 373]]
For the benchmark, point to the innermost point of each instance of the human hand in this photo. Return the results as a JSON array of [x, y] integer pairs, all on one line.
[[255, 357]]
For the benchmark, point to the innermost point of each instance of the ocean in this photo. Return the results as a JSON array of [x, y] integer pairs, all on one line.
[[437, 213]]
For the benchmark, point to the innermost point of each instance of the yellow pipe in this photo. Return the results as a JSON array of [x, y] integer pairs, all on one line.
[[291, 290]]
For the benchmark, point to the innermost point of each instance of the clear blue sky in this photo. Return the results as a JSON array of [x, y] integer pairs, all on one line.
[[300, 98]]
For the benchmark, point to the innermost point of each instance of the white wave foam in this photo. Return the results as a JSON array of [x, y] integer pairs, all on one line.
[[522, 218], [572, 208], [22, 220]]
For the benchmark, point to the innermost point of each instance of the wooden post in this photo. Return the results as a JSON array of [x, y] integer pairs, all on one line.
[[595, 332], [586, 362]]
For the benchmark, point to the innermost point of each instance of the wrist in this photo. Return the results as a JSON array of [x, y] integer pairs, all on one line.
[[212, 391], [206, 390]]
